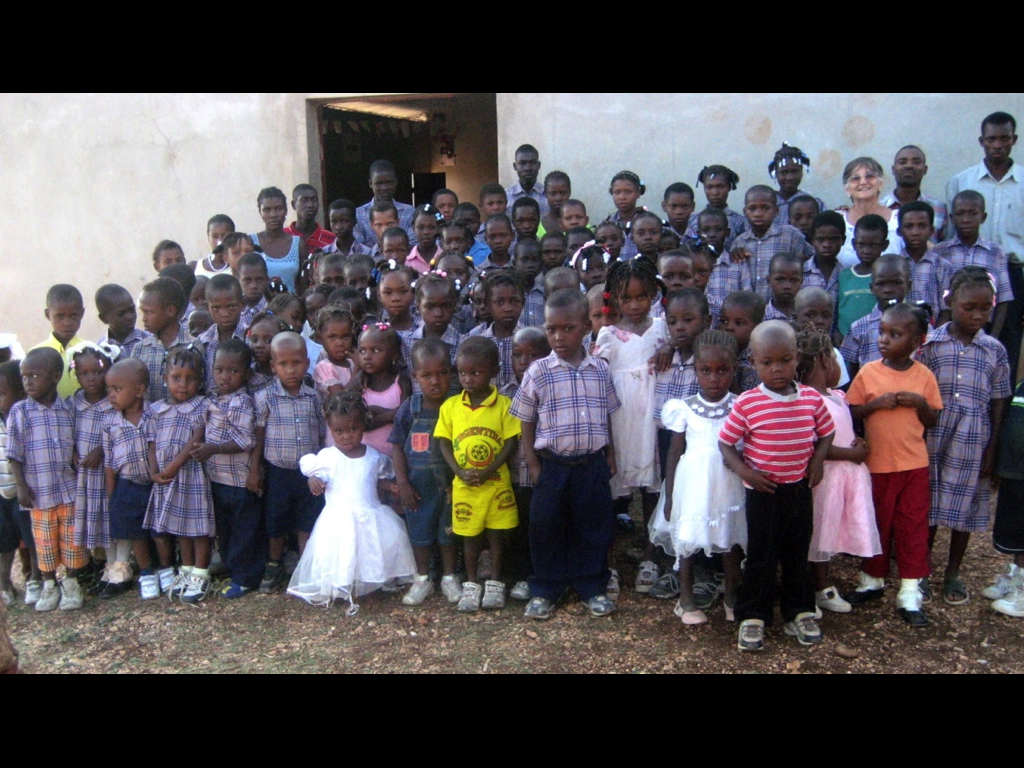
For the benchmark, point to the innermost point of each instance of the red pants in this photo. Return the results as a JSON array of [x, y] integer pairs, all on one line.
[[901, 511]]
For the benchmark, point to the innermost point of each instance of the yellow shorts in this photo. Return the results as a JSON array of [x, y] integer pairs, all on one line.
[[492, 505]]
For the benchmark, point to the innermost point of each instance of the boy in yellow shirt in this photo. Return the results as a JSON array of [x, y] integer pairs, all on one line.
[[477, 435]]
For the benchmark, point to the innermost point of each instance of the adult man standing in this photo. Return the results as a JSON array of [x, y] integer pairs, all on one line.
[[527, 167], [384, 183], [1001, 182], [908, 170], [306, 204]]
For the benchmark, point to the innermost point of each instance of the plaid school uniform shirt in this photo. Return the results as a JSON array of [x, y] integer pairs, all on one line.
[[860, 345], [248, 313], [451, 337], [126, 445], [356, 249], [780, 238], [210, 339], [154, 355], [42, 438], [570, 406], [737, 225], [930, 278], [364, 232], [505, 373], [628, 246], [521, 474], [294, 424], [725, 278], [128, 344], [516, 191], [983, 253], [230, 418], [815, 278], [533, 307], [677, 383], [784, 204]]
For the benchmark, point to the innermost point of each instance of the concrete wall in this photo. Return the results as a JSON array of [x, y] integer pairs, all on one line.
[[670, 137]]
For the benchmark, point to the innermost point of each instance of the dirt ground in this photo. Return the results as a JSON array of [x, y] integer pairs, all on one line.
[[275, 633]]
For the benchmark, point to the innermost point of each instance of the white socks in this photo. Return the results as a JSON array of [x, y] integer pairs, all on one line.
[[866, 583], [909, 597]]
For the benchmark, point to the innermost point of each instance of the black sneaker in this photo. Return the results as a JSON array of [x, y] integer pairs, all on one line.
[[113, 589], [273, 577]]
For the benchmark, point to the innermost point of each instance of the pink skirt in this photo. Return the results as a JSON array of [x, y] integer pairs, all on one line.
[[844, 514]]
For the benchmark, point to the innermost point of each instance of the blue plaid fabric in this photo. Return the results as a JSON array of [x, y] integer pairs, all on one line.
[[930, 278], [780, 238], [860, 345], [294, 425], [677, 383], [91, 492], [126, 445], [230, 418], [42, 438], [983, 253], [130, 342], [152, 353]]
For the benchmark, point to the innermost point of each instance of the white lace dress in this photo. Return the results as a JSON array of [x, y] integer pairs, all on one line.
[[708, 499], [357, 544]]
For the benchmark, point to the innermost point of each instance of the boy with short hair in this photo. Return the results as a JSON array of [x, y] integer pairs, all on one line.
[[529, 267], [565, 402], [499, 235], [117, 312], [166, 253], [65, 309], [40, 448], [559, 279], [785, 279], [382, 216], [306, 204], [764, 237], [224, 299], [186, 278], [678, 205], [384, 183], [468, 216], [801, 212], [477, 436], [870, 239], [341, 216], [890, 283], [394, 246], [493, 200], [525, 218], [786, 430], [574, 214], [422, 475], [740, 314], [289, 424], [827, 235], [254, 279], [930, 273], [161, 304], [968, 248]]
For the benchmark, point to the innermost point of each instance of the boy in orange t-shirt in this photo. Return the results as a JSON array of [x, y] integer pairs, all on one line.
[[898, 398]]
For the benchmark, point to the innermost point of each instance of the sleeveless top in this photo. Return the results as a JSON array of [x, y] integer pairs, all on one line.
[[286, 267], [204, 268]]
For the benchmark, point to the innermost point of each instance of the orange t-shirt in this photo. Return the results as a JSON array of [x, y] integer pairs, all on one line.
[[895, 438]]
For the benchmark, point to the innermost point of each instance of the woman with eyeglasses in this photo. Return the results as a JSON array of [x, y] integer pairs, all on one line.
[[863, 180]]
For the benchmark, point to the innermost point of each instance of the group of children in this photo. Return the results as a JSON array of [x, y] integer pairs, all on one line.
[[436, 395]]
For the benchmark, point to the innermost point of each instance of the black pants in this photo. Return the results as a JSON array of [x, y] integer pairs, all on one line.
[[1012, 330], [517, 563], [779, 528], [241, 536]]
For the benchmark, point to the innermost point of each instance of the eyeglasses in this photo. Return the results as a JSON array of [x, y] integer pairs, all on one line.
[[869, 176]]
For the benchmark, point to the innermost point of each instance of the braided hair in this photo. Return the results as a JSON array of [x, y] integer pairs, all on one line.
[[189, 356], [334, 314], [710, 171], [971, 277], [426, 210], [347, 403], [717, 340], [434, 280], [787, 155], [632, 178], [811, 344], [637, 268], [269, 317], [918, 313], [580, 260]]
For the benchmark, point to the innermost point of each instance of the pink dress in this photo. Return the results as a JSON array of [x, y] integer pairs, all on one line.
[[844, 514], [327, 374], [389, 398]]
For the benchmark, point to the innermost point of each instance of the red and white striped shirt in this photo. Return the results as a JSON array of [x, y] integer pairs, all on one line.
[[779, 431]]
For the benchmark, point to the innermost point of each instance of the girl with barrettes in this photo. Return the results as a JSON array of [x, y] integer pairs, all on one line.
[[459, 269], [626, 190], [787, 168], [380, 380], [358, 544], [90, 362], [591, 263], [265, 326], [718, 181], [629, 347], [425, 222]]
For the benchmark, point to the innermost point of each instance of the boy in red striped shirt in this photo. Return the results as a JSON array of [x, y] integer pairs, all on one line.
[[787, 431]]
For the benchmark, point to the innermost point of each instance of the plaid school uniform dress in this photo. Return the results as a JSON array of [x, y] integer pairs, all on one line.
[[970, 377], [184, 507], [152, 353], [210, 339], [91, 518], [259, 381], [929, 280], [628, 246]]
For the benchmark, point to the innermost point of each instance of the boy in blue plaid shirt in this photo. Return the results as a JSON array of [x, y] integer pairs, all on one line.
[[289, 424], [564, 402]]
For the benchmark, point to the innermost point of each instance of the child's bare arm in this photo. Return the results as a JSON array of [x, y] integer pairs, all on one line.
[[857, 452], [527, 439], [609, 451], [506, 452], [204, 450], [999, 319], [184, 454], [816, 467], [26, 497], [255, 481], [675, 450], [92, 460], [928, 416], [110, 478], [154, 467], [410, 497], [756, 480], [448, 453], [997, 411], [886, 402]]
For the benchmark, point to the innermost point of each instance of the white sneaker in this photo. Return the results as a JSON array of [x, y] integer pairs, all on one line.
[[451, 588], [804, 628], [196, 589], [521, 591], [71, 594], [49, 598], [149, 587], [830, 600], [1004, 584], [178, 585], [494, 595], [33, 589], [165, 578], [471, 595], [1011, 605], [647, 574], [420, 590], [613, 590]]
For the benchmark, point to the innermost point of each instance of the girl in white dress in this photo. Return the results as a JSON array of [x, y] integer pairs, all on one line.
[[358, 544], [702, 506], [630, 346]]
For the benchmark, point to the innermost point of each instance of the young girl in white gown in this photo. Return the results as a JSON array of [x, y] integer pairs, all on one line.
[[358, 544], [702, 506]]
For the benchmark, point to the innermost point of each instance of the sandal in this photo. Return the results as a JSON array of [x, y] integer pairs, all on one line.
[[954, 592], [646, 576]]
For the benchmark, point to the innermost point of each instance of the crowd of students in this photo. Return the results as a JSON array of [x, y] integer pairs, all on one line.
[[469, 398]]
